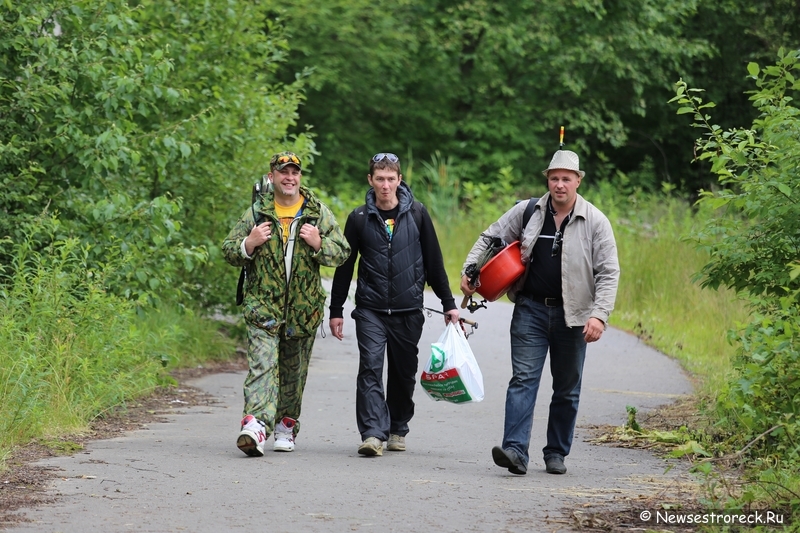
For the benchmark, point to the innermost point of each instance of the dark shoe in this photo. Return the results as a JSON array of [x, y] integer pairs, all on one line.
[[555, 465], [509, 459]]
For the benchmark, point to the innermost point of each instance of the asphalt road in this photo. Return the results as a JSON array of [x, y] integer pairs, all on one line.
[[188, 476]]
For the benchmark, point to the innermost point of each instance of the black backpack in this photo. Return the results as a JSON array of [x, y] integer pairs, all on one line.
[[260, 188]]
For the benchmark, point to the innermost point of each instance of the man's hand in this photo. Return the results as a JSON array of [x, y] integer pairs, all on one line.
[[593, 329], [310, 234], [466, 288], [258, 236], [336, 325], [451, 316]]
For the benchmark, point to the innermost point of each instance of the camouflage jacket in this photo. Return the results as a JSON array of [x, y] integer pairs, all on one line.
[[293, 308]]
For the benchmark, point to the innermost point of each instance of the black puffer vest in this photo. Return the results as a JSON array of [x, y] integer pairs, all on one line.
[[391, 274]]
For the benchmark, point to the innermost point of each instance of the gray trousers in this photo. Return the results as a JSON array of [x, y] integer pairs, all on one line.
[[397, 336]]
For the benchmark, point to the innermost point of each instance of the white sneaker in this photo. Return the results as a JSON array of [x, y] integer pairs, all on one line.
[[252, 437], [371, 447], [284, 435]]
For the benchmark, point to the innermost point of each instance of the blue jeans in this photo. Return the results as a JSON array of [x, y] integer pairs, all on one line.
[[535, 328]]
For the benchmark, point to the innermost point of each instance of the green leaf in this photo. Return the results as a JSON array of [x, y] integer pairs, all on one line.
[[186, 150], [753, 69], [684, 110], [785, 190]]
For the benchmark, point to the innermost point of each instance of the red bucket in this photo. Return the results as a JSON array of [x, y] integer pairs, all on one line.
[[501, 272]]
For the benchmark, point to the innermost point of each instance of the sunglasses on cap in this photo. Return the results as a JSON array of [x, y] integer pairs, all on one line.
[[285, 158], [380, 157]]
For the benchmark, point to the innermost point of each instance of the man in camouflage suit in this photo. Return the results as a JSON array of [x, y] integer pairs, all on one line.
[[282, 239]]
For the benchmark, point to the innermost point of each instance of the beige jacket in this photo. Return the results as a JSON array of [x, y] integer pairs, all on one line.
[[589, 264]]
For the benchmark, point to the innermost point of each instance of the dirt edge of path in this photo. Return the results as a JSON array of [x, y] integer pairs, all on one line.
[[24, 485]]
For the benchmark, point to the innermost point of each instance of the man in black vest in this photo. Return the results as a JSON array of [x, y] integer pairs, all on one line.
[[399, 252]]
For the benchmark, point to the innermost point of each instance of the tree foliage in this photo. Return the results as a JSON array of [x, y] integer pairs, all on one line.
[[488, 83], [141, 127], [755, 249]]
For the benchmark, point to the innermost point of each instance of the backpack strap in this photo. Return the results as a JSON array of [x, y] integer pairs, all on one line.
[[243, 274], [416, 212], [526, 216]]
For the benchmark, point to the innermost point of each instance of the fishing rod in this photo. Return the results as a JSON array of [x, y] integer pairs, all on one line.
[[473, 325]]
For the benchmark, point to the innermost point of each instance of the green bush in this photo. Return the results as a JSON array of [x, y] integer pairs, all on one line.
[[764, 399], [141, 124], [754, 250], [70, 350]]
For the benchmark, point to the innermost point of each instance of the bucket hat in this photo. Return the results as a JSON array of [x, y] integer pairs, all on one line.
[[567, 160]]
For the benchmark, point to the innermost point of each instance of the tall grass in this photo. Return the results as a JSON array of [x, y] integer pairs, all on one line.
[[660, 298], [70, 351]]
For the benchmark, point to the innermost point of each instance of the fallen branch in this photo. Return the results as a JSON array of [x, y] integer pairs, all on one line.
[[740, 452]]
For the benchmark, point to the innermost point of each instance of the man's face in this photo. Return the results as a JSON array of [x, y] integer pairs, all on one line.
[[563, 186], [385, 183], [286, 181]]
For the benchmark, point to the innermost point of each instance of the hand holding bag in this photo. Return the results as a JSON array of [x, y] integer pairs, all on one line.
[[452, 373]]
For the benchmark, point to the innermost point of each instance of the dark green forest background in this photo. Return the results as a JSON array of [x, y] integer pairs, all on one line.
[[490, 82], [138, 127]]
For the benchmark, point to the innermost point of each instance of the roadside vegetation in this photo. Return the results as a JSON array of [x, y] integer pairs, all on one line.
[[132, 131], [71, 351]]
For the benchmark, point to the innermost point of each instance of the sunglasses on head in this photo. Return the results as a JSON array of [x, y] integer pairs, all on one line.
[[557, 241], [380, 157]]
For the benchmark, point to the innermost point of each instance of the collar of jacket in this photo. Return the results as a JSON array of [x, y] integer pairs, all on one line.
[[404, 196], [581, 208]]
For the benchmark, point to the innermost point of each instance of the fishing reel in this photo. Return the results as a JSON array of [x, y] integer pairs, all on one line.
[[471, 305]]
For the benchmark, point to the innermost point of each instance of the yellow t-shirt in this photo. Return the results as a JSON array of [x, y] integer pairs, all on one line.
[[286, 215]]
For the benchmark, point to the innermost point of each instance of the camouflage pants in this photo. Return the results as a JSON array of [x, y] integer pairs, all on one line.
[[274, 385]]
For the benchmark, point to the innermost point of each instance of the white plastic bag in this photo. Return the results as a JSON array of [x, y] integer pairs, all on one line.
[[452, 373]]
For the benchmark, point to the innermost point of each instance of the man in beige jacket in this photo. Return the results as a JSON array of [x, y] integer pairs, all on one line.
[[562, 302]]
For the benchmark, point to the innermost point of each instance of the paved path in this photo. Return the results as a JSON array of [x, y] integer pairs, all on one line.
[[188, 476]]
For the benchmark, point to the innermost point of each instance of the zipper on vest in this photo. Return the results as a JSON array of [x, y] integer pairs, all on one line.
[[389, 278]]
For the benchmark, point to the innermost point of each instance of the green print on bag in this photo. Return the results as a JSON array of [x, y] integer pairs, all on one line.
[[437, 359], [447, 386]]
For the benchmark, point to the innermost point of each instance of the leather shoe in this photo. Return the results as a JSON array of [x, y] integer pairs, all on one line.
[[555, 465], [509, 459]]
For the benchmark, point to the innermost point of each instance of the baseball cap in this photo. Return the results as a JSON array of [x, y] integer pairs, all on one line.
[[280, 160]]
